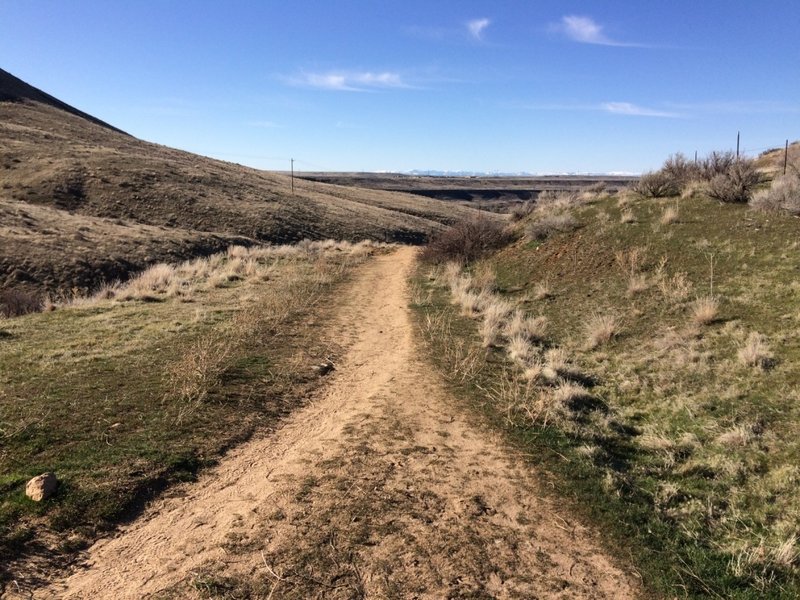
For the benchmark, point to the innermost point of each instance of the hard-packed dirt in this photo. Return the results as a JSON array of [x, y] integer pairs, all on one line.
[[381, 487]]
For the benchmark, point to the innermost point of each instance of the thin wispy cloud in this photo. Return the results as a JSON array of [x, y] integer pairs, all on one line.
[[634, 110], [477, 27], [586, 30], [264, 124], [350, 81], [615, 108]]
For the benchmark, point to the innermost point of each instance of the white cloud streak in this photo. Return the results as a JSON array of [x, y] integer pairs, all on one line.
[[476, 28], [633, 110], [615, 108], [264, 124], [585, 30], [349, 81]]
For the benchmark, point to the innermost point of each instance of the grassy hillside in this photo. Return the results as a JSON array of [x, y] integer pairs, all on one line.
[[646, 352], [150, 381], [58, 162]]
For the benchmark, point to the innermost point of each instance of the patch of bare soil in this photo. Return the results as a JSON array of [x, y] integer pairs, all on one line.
[[378, 488]]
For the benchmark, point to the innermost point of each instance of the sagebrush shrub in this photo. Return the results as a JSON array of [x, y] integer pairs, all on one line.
[[782, 195], [466, 241], [736, 184], [522, 210], [716, 163], [657, 184], [680, 170], [15, 303]]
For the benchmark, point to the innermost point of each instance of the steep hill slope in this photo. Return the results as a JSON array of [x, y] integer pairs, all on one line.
[[59, 159], [13, 89]]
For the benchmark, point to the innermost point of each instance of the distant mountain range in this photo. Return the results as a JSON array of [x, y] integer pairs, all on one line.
[[435, 173]]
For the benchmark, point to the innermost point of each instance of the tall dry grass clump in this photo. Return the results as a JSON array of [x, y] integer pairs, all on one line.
[[495, 313], [677, 287], [549, 224], [705, 310], [755, 352], [601, 329], [669, 216]]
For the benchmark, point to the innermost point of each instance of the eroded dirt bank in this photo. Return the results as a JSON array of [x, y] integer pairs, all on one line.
[[378, 488]]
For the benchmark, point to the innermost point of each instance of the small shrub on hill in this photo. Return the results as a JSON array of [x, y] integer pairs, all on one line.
[[736, 184], [680, 169], [657, 184], [782, 195], [716, 163], [466, 241], [520, 211], [14, 303]]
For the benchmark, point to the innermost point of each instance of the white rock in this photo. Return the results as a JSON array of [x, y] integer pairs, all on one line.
[[41, 487]]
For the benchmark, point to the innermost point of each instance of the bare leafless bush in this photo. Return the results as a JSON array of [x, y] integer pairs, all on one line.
[[466, 241], [657, 184], [736, 184], [680, 169], [716, 163], [15, 303], [522, 210]]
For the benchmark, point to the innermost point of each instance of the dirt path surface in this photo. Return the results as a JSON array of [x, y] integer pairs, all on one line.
[[378, 488]]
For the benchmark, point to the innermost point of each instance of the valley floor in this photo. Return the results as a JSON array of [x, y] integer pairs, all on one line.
[[382, 486]]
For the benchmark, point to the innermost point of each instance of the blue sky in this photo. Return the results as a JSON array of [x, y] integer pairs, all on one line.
[[538, 86]]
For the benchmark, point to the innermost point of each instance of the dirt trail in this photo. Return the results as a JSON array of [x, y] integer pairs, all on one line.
[[378, 488]]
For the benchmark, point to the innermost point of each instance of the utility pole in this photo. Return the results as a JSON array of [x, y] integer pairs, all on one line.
[[737, 144], [292, 162], [785, 156], [695, 157]]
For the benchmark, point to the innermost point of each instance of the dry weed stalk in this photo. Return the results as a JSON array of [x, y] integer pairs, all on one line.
[[676, 288]]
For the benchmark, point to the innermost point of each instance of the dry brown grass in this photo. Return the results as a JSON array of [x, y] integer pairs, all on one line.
[[670, 216], [542, 290], [495, 313], [705, 310], [637, 283], [531, 328], [550, 224], [755, 352], [676, 288], [601, 329]]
